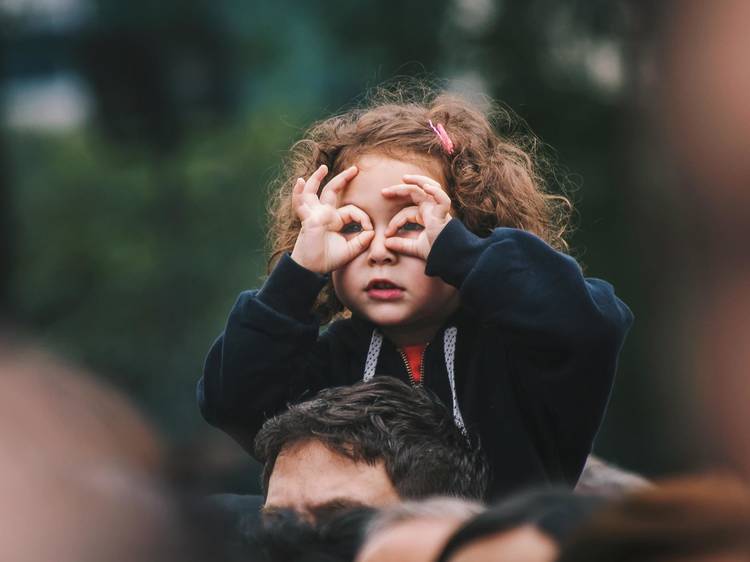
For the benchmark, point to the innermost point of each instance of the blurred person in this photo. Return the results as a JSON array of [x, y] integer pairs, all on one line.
[[528, 527], [686, 520], [330, 535], [369, 444], [601, 478], [704, 116], [415, 531], [80, 470], [437, 247]]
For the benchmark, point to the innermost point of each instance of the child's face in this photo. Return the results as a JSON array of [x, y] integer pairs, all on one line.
[[413, 301]]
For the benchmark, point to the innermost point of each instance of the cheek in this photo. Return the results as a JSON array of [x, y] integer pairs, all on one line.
[[342, 283], [438, 292]]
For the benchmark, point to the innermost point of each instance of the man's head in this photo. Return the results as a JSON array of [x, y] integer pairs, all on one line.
[[372, 443]]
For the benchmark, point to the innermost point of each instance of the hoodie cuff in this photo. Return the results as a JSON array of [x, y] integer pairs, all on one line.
[[454, 253], [291, 289]]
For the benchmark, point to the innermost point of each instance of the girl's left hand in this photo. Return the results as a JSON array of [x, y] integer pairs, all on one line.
[[413, 230]]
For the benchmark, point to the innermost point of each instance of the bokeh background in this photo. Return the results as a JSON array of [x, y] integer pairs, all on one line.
[[138, 139]]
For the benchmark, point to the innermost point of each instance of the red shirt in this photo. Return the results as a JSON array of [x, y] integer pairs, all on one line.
[[414, 354]]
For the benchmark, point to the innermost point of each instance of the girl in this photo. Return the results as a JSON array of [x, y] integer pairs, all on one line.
[[431, 242]]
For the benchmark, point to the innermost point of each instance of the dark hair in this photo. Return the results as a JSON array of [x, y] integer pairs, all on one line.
[[332, 536], [409, 429], [685, 518], [555, 512]]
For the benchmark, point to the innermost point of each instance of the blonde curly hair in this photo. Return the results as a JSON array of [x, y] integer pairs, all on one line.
[[493, 179]]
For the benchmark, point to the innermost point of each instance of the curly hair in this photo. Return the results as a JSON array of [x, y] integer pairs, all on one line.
[[493, 179]]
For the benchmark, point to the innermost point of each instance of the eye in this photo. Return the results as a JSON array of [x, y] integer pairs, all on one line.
[[351, 228], [411, 227]]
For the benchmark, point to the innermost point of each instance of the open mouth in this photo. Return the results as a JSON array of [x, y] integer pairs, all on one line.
[[382, 284], [383, 289]]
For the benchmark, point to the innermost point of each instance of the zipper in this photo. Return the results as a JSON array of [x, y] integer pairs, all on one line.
[[408, 366]]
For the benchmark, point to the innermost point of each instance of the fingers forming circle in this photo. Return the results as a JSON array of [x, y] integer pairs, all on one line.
[[352, 213], [407, 214]]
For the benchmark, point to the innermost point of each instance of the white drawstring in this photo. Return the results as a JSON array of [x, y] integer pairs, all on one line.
[[449, 350], [372, 355]]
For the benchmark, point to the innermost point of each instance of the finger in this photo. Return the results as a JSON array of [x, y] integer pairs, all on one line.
[[407, 214], [313, 182], [298, 185], [403, 246], [420, 180], [441, 197], [415, 192], [297, 198], [359, 243], [349, 213], [297, 191], [332, 190]]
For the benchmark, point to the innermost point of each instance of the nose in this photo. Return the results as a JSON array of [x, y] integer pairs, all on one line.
[[377, 253]]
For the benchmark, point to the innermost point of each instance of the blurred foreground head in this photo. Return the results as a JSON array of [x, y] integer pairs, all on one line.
[[527, 527], [415, 531], [704, 115], [686, 520], [78, 469], [371, 444], [326, 536]]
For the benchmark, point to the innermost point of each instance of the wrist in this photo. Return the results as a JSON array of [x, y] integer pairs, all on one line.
[[300, 259], [435, 231]]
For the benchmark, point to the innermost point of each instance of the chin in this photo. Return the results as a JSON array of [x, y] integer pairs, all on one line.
[[386, 318]]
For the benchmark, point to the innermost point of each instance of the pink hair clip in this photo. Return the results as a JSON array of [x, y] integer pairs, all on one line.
[[445, 140]]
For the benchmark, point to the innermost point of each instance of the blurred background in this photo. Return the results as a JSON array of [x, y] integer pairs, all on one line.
[[138, 139]]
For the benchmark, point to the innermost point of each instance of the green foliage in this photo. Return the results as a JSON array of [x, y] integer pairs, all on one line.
[[129, 261]]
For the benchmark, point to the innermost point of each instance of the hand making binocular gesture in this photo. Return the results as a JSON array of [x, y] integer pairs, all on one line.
[[332, 236]]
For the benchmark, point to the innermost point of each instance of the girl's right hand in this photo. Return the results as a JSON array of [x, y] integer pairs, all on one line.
[[321, 244]]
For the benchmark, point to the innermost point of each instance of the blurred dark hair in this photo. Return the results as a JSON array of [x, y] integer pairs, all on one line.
[[334, 536], [685, 518], [555, 512], [409, 429]]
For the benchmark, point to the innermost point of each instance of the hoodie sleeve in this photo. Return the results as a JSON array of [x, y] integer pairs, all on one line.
[[562, 331], [268, 355]]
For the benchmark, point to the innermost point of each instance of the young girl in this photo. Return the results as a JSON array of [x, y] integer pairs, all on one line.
[[431, 241]]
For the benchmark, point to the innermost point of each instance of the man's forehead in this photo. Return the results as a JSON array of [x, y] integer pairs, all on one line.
[[310, 474]]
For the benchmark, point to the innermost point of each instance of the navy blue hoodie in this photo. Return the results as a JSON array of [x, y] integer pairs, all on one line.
[[533, 348]]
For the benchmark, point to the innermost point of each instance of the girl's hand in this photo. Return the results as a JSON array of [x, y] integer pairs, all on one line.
[[414, 229], [323, 244]]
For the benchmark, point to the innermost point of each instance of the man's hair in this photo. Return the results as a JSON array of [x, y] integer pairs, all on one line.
[[555, 512], [406, 428]]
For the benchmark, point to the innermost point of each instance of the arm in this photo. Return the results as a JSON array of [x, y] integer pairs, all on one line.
[[513, 279], [563, 332], [268, 355]]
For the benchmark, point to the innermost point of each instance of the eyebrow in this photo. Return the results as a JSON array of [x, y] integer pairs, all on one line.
[[336, 504]]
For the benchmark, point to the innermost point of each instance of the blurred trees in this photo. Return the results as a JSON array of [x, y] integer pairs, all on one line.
[[135, 230]]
